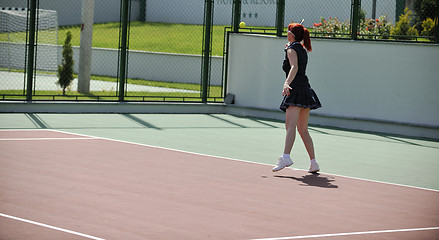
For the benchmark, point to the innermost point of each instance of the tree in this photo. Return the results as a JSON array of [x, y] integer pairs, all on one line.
[[425, 9], [65, 70]]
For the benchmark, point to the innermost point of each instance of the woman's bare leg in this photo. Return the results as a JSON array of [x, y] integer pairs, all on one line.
[[302, 127], [291, 119]]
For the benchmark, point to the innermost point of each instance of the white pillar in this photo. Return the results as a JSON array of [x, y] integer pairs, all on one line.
[[85, 46]]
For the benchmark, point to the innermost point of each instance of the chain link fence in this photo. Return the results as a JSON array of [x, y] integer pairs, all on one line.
[[328, 19], [384, 20], [54, 21], [166, 45], [166, 42], [164, 61]]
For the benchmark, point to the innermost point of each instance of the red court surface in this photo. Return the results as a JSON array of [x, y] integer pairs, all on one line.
[[56, 185]]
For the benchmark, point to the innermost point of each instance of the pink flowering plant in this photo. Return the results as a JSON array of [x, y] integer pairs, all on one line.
[[375, 28], [333, 27]]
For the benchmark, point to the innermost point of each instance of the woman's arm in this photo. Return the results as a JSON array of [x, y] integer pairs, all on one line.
[[292, 56]]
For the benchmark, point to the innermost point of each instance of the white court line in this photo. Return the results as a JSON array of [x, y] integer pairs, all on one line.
[[38, 139], [350, 234], [51, 227], [22, 130], [239, 160]]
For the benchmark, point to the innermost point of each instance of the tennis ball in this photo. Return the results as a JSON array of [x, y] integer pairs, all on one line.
[[242, 24]]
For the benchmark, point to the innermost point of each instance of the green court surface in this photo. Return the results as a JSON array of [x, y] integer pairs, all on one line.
[[379, 157]]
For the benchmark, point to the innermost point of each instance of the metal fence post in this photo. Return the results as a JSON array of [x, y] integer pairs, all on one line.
[[436, 22], [31, 49], [236, 15], [142, 11], [123, 50], [399, 9], [355, 18], [207, 47], [280, 17], [374, 9]]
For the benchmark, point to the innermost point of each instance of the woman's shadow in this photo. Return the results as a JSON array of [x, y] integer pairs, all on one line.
[[314, 180]]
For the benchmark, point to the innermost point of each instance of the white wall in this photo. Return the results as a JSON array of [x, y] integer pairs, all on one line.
[[13, 56], [182, 68], [168, 67], [391, 82], [69, 12]]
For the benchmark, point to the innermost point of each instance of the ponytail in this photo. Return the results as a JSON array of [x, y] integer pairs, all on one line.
[[307, 40], [301, 34]]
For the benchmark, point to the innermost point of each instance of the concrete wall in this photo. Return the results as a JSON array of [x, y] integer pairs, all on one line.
[[387, 82], [183, 68], [13, 56]]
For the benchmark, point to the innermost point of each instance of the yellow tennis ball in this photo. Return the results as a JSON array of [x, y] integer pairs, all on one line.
[[242, 25]]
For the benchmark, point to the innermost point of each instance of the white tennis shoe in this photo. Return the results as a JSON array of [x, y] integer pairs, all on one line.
[[282, 163], [314, 167]]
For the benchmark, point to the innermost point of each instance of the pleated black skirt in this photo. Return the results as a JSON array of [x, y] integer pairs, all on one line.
[[303, 97]]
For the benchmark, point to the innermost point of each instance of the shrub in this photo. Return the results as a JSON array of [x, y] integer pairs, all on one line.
[[428, 27], [65, 70], [402, 27], [380, 28]]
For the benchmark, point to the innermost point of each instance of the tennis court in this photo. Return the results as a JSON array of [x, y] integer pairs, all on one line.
[[208, 176]]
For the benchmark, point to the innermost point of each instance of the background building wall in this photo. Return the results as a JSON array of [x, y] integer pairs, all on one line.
[[69, 12], [254, 12]]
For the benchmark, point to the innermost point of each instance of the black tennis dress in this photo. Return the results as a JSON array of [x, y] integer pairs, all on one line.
[[301, 94]]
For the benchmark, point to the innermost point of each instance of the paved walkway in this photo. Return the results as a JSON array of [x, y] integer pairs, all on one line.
[[15, 81]]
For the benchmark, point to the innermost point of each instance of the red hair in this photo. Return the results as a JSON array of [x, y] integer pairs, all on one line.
[[301, 33]]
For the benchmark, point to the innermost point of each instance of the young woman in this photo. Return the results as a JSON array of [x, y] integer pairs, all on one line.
[[299, 98]]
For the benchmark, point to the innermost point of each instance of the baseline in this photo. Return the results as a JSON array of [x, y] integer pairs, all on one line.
[[350, 233], [42, 139], [50, 227], [39, 135]]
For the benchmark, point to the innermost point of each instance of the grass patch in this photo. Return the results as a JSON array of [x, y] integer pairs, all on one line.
[[214, 92], [105, 96], [150, 36], [145, 36], [185, 86], [153, 37]]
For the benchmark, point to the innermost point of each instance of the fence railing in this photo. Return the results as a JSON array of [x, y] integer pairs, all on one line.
[[171, 50], [384, 20]]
